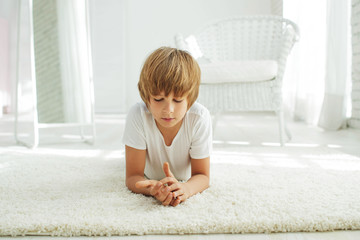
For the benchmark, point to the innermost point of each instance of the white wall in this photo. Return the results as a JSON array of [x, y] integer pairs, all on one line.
[[124, 32], [147, 26], [107, 21]]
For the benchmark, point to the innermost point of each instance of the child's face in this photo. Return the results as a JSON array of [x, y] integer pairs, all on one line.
[[168, 111]]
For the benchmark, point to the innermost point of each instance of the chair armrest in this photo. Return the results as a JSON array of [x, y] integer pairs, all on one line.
[[180, 42], [291, 36]]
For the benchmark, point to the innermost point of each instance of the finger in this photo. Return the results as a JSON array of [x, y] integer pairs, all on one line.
[[155, 189], [168, 180], [172, 201], [162, 190], [162, 194], [167, 171], [174, 187], [143, 184], [178, 193], [168, 199], [176, 202]]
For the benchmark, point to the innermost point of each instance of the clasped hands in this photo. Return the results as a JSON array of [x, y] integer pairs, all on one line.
[[169, 191]]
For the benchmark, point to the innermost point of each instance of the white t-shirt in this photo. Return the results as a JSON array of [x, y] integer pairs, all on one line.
[[193, 140]]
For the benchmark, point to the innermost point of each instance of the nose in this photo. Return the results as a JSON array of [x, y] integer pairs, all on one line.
[[168, 107]]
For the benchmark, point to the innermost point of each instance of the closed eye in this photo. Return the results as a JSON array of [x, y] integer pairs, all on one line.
[[158, 99], [178, 101]]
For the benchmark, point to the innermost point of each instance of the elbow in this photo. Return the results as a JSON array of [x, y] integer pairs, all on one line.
[[128, 184], [207, 182]]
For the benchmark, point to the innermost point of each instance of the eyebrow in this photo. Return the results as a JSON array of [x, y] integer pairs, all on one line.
[[163, 95]]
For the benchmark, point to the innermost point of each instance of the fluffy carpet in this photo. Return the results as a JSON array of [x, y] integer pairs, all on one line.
[[253, 190]]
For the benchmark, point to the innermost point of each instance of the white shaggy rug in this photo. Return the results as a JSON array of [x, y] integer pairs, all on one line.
[[253, 190]]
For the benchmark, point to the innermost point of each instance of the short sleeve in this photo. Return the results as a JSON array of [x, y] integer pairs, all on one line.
[[134, 135], [201, 145]]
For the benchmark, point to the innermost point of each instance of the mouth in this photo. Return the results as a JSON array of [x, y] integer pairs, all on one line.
[[167, 119]]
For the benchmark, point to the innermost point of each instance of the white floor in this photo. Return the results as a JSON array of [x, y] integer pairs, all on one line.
[[232, 130]]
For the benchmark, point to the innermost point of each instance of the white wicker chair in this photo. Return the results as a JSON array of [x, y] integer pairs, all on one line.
[[246, 40]]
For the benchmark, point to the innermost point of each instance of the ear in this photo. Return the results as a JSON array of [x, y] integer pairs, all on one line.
[[167, 171]]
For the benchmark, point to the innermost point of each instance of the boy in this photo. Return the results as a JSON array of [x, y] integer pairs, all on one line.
[[168, 130]]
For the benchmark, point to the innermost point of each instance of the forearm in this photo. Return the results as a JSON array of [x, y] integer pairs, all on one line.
[[131, 181], [196, 184]]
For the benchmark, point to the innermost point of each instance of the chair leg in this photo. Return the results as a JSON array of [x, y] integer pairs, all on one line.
[[82, 135], [287, 131], [283, 128]]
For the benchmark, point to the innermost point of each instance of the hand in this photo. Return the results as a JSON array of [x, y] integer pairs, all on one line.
[[179, 190], [156, 189]]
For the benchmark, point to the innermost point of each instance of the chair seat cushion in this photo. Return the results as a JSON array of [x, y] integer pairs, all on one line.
[[238, 71]]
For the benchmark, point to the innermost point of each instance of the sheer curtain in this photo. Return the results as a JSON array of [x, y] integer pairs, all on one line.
[[338, 66], [313, 70], [74, 57]]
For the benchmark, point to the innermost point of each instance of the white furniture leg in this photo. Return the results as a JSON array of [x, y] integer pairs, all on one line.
[[283, 128]]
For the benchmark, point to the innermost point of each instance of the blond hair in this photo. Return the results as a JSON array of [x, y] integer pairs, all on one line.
[[170, 70]]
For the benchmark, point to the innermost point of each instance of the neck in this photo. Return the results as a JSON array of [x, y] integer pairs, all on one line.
[[169, 133], [171, 130]]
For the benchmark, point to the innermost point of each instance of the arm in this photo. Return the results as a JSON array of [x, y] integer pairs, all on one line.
[[200, 176], [135, 165], [135, 180]]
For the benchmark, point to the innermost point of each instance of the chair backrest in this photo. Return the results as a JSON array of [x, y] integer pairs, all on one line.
[[246, 38]]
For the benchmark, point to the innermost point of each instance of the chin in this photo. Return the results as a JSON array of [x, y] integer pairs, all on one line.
[[169, 124]]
